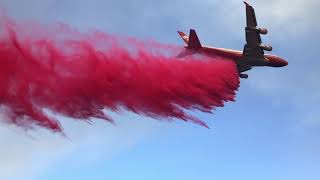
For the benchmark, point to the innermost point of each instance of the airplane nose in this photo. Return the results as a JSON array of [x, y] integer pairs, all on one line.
[[282, 62], [278, 62]]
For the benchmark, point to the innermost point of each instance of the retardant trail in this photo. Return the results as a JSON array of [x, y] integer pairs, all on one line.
[[79, 75]]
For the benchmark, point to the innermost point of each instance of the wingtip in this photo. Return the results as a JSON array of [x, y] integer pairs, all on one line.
[[246, 3], [181, 33]]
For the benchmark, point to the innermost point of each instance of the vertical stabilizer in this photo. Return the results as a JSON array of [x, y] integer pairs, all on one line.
[[194, 42]]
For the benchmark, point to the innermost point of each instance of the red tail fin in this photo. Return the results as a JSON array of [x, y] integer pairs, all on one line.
[[194, 42]]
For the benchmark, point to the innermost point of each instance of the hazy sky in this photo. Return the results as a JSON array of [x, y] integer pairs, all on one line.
[[272, 131]]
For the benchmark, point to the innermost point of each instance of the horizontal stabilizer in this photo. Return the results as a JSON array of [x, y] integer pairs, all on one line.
[[184, 37]]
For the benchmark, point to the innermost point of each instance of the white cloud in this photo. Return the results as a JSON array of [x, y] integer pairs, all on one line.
[[25, 155], [298, 89], [286, 10], [289, 15], [21, 156]]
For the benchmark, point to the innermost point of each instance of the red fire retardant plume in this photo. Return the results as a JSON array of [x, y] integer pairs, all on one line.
[[78, 75]]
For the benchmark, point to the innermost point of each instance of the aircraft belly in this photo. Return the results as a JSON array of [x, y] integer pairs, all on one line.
[[260, 62], [255, 61]]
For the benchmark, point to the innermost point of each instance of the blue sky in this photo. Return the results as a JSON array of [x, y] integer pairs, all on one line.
[[272, 131]]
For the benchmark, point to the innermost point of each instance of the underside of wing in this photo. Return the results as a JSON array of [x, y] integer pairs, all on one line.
[[243, 68], [254, 47]]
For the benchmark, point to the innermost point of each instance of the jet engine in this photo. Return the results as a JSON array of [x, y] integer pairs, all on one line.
[[263, 31], [259, 30], [266, 47], [244, 76]]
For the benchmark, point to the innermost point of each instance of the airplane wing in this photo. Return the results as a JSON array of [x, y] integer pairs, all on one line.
[[253, 37], [254, 48]]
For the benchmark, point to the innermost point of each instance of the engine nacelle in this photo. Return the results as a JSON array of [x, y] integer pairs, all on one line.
[[244, 76], [263, 31], [259, 30], [266, 47]]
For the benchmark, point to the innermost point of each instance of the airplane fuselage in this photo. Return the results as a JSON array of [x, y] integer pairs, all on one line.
[[236, 56]]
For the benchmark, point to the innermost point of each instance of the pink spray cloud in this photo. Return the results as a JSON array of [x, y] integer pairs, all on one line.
[[78, 75]]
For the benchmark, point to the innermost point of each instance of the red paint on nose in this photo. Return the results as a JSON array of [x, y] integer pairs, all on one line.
[[277, 62]]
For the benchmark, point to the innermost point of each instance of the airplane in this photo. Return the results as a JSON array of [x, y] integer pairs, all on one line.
[[253, 51]]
